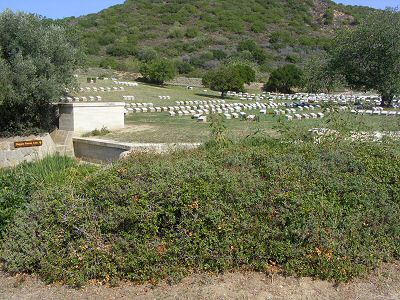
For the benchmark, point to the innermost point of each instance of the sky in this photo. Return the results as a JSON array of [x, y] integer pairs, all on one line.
[[66, 8], [372, 3], [57, 9]]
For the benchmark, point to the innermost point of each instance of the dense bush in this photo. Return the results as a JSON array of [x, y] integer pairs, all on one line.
[[285, 79], [158, 71], [330, 211], [228, 78], [17, 185]]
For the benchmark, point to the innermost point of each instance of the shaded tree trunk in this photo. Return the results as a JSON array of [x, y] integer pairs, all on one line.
[[386, 99]]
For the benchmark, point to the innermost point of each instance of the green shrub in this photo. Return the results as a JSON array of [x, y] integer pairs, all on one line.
[[17, 185], [330, 211], [97, 132]]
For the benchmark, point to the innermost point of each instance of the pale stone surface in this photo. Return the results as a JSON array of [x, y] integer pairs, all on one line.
[[10, 157], [85, 117], [98, 150]]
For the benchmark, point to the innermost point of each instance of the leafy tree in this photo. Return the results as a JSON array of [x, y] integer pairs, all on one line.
[[158, 71], [37, 60], [318, 75], [368, 55], [227, 78], [284, 79], [246, 72], [183, 67]]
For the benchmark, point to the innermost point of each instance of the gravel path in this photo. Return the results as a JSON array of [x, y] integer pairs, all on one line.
[[383, 284]]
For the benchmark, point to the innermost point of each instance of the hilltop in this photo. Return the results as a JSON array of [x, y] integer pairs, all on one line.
[[200, 34]]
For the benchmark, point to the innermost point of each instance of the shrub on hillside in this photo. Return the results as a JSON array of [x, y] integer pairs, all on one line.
[[330, 211]]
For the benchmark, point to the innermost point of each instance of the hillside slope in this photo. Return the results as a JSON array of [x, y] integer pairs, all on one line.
[[199, 34]]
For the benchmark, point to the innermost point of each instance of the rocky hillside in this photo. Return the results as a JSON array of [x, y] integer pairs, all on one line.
[[200, 34]]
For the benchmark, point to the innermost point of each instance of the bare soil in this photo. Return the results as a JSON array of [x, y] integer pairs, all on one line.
[[384, 283]]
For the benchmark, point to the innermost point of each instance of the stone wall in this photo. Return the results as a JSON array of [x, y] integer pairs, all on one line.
[[10, 157], [105, 151]]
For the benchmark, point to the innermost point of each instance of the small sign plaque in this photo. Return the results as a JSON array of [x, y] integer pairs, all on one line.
[[27, 144]]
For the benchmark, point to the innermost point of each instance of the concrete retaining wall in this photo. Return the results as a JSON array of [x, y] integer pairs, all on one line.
[[98, 150], [10, 157]]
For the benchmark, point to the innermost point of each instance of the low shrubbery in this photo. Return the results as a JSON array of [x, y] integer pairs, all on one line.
[[97, 132], [17, 185], [330, 211]]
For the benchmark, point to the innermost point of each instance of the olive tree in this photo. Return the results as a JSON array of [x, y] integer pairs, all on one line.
[[319, 76], [158, 71], [284, 79], [368, 56], [37, 60], [228, 78]]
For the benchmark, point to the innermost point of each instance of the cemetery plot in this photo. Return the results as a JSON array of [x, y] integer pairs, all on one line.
[[182, 114]]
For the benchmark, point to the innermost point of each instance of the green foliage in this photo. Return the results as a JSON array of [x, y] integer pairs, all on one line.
[[177, 27], [292, 58], [329, 211], [147, 54], [97, 132], [228, 78], [284, 79], [247, 74], [183, 67], [368, 56], [191, 33], [319, 77], [158, 71], [109, 63], [219, 54], [256, 51], [218, 131], [280, 38], [17, 185], [37, 60], [329, 16]]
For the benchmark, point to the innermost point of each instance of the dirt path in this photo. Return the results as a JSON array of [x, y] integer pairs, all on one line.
[[383, 284]]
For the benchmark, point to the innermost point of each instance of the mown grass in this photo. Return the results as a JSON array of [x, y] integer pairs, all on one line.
[[161, 128], [147, 92]]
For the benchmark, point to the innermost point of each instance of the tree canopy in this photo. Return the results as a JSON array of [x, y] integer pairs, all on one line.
[[319, 76], [229, 78], [37, 60], [158, 71], [284, 79], [368, 56]]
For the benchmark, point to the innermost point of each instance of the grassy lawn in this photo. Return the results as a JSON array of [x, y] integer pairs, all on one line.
[[161, 128], [148, 93]]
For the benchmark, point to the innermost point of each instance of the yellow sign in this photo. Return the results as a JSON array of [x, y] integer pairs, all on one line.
[[27, 144]]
